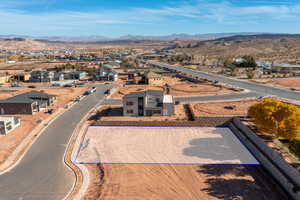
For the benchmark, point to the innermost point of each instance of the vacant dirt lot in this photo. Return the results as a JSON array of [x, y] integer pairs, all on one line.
[[178, 182], [230, 108], [177, 87], [9, 142], [182, 145], [284, 82]]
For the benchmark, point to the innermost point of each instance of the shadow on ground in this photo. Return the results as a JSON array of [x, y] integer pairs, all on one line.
[[115, 112], [218, 148], [231, 182]]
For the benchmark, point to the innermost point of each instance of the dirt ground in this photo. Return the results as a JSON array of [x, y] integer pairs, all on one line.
[[114, 113], [140, 181], [9, 142], [284, 82], [177, 87], [240, 108], [178, 182], [182, 145]]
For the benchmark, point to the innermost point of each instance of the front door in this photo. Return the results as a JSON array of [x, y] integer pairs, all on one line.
[[141, 106]]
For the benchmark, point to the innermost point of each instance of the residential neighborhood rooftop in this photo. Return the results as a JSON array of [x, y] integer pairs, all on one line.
[[27, 97], [145, 93]]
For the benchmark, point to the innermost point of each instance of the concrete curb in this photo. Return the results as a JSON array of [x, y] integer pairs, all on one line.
[[80, 171]]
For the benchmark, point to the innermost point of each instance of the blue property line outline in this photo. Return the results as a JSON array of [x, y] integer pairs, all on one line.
[[160, 126], [111, 163], [80, 146], [242, 143]]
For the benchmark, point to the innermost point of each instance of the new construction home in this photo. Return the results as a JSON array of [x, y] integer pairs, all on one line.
[[148, 103], [26, 103]]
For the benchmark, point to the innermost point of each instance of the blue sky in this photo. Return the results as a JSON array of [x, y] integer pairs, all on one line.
[[114, 18]]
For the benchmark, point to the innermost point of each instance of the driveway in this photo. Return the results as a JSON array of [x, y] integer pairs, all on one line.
[[42, 174]]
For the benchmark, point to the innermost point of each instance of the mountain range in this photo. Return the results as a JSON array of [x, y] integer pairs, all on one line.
[[128, 37]]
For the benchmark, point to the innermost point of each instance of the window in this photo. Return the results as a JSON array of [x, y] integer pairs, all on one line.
[[156, 112], [9, 127], [129, 111], [16, 120], [129, 103]]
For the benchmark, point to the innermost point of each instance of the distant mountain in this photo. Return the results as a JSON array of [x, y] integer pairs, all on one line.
[[186, 36], [128, 37]]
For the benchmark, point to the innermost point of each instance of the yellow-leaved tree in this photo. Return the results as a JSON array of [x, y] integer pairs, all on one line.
[[276, 117]]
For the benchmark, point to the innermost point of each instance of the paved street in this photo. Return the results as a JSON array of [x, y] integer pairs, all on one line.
[[217, 97], [41, 174], [255, 87]]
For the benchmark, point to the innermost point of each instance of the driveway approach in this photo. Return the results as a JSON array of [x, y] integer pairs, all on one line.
[[255, 87], [41, 174]]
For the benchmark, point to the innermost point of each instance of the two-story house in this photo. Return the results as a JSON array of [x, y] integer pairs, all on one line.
[[148, 103]]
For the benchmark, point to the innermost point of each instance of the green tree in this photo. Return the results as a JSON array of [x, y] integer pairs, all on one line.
[[248, 62]]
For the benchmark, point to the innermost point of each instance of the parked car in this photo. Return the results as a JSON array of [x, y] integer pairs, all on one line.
[[31, 86], [87, 92], [14, 85], [77, 99], [93, 90], [107, 91], [51, 111]]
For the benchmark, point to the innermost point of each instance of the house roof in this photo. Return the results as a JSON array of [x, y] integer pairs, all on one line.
[[27, 97], [152, 75], [145, 93]]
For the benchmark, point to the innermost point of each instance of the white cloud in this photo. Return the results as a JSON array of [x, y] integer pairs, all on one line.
[[223, 12]]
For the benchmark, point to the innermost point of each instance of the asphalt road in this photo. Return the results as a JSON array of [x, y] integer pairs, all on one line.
[[255, 87], [217, 97], [41, 174]]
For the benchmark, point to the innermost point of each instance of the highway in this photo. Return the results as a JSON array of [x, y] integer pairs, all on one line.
[[255, 87], [42, 174]]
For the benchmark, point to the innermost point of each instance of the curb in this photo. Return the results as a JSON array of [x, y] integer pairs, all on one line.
[[80, 171]]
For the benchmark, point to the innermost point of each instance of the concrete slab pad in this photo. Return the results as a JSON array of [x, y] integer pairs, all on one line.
[[162, 145]]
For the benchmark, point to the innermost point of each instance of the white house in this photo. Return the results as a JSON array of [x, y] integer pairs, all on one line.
[[8, 123]]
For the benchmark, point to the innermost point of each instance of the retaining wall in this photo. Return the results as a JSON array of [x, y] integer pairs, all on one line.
[[285, 175]]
